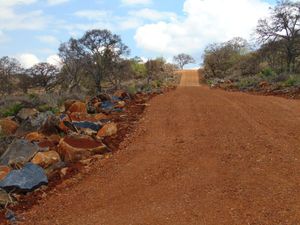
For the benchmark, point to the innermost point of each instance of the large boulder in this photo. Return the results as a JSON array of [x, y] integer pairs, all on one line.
[[77, 107], [19, 152], [26, 113], [77, 147], [28, 178], [46, 159], [108, 129], [8, 127]]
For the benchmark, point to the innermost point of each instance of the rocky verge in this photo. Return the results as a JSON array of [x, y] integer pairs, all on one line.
[[40, 150]]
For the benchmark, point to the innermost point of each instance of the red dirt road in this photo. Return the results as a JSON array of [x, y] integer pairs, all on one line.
[[199, 156]]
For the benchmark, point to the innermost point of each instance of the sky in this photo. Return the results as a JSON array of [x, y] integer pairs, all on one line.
[[32, 30]]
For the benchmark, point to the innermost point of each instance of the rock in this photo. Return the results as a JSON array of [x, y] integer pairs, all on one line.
[[107, 106], [108, 130], [64, 118], [46, 159], [78, 117], [68, 103], [40, 119], [4, 198], [121, 94], [78, 107], [121, 104], [28, 178], [8, 127], [53, 169], [35, 137], [87, 125], [27, 113], [50, 125], [4, 170], [5, 141], [19, 152], [78, 147]]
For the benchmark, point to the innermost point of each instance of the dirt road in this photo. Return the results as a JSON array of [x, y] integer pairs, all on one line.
[[199, 156]]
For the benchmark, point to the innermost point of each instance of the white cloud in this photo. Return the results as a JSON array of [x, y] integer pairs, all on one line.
[[10, 19], [54, 60], [92, 14], [48, 39], [27, 59], [205, 22], [136, 2], [153, 15], [3, 37], [56, 2]]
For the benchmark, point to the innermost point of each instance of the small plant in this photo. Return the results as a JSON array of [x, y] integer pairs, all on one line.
[[293, 80], [12, 110], [132, 89], [247, 82], [45, 108]]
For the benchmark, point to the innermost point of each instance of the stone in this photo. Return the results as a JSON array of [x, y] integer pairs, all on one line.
[[8, 127], [19, 152], [77, 147], [4, 198], [108, 129], [26, 113], [78, 107], [40, 119], [68, 103], [121, 104], [35, 137], [121, 94], [50, 125], [79, 117], [46, 159], [29, 178], [107, 106], [64, 118], [4, 170], [87, 125]]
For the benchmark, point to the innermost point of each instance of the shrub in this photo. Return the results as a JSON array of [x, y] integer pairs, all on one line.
[[248, 82], [12, 110], [293, 80]]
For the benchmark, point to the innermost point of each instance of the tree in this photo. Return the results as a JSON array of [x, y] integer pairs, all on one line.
[[8, 68], [183, 59], [154, 68], [220, 60], [98, 49], [73, 65], [43, 74], [283, 24]]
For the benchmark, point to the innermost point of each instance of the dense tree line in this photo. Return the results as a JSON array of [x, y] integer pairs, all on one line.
[[278, 54]]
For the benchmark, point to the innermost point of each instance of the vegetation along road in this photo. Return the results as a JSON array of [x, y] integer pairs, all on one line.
[[198, 156]]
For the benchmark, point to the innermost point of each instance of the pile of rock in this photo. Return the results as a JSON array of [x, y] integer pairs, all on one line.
[[44, 142]]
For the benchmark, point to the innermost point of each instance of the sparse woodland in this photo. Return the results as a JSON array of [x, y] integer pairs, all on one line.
[[273, 63]]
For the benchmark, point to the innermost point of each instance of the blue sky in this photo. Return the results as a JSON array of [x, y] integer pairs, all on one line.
[[31, 30]]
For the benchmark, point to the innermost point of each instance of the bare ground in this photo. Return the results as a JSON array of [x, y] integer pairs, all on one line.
[[199, 156]]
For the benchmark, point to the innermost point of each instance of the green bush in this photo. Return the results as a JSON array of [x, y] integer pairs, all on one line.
[[12, 110], [45, 108], [248, 82], [132, 89], [293, 80]]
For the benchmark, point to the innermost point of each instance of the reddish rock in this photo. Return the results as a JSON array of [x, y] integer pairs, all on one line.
[[68, 103], [62, 126], [8, 126], [4, 170], [120, 94], [78, 107], [78, 117], [46, 159], [35, 137], [75, 148], [108, 130]]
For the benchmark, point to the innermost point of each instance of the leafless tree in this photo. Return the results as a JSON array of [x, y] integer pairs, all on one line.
[[44, 74], [8, 68], [72, 71], [283, 24], [183, 59]]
